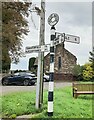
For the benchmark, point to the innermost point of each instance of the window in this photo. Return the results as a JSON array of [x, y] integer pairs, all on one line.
[[59, 62]]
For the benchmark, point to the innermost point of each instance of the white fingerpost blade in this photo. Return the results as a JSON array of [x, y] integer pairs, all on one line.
[[72, 38]]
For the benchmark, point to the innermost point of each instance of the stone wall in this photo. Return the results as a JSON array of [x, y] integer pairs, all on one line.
[[64, 77], [68, 61]]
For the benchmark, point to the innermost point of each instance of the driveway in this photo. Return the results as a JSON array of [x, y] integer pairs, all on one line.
[[10, 89]]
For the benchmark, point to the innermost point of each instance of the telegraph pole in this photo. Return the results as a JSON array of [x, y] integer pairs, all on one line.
[[40, 71], [39, 87]]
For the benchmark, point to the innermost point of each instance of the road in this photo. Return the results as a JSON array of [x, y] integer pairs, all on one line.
[[10, 89]]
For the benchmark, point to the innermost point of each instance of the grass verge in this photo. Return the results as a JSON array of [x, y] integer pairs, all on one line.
[[65, 106]]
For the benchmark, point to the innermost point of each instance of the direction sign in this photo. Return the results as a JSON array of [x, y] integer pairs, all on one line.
[[72, 38], [30, 49], [45, 48], [67, 38], [37, 48], [59, 39]]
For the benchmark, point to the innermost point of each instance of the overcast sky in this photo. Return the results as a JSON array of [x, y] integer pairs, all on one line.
[[74, 18]]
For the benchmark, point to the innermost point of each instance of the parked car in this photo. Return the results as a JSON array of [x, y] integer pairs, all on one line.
[[46, 78], [20, 78]]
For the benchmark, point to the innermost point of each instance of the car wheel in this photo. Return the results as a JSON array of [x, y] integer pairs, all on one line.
[[26, 83], [32, 83], [5, 82]]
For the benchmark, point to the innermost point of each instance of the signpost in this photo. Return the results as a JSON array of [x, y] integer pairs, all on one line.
[[56, 38], [52, 21]]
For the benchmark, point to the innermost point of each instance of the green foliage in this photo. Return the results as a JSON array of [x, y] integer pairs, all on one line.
[[88, 73], [77, 70], [14, 26], [13, 116], [65, 106], [31, 63], [6, 62]]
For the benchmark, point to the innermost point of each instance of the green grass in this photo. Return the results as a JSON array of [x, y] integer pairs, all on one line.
[[65, 106]]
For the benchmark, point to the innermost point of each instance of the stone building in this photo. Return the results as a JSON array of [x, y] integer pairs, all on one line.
[[64, 63]]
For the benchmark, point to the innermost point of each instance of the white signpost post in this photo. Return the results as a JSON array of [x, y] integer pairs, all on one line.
[[56, 38]]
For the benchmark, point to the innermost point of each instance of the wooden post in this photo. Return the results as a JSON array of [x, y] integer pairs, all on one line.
[[39, 88]]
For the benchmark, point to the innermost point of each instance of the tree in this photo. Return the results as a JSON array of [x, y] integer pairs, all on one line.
[[6, 64], [31, 63], [88, 73], [14, 27], [77, 72]]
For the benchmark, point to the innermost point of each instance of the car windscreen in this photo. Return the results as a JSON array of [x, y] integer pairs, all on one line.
[[20, 73], [25, 73]]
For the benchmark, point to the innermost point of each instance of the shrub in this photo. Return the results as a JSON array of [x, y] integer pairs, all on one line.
[[88, 73], [77, 72]]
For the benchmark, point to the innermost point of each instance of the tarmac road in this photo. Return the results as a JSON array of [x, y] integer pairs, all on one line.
[[10, 89]]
